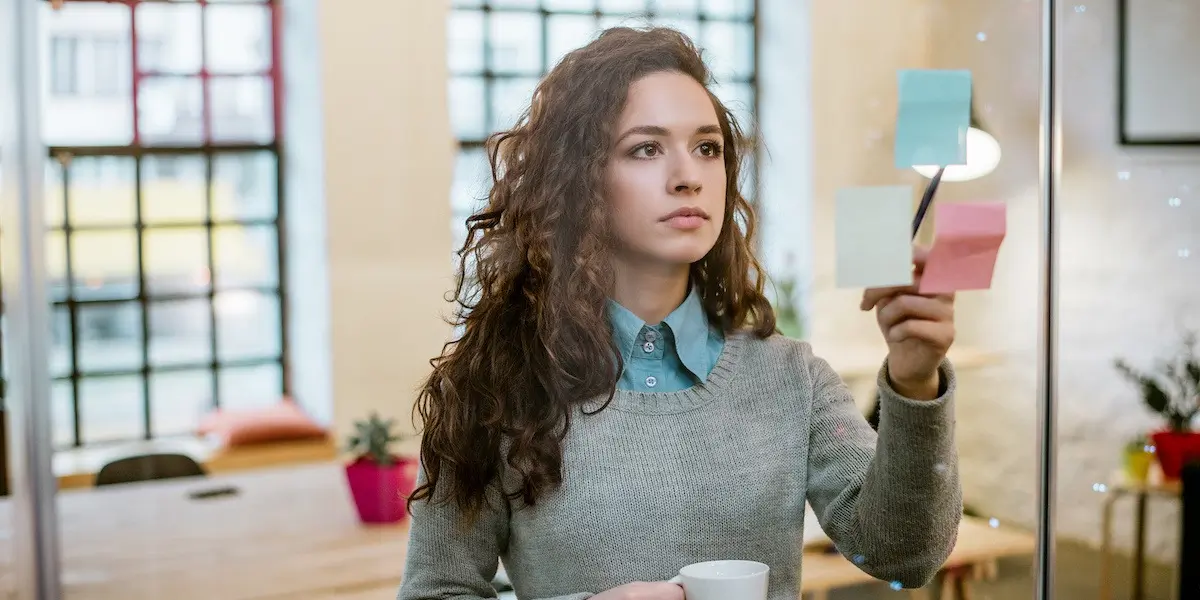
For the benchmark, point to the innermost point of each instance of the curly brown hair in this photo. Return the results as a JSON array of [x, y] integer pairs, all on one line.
[[534, 278]]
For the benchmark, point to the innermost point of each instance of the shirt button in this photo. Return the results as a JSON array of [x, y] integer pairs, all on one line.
[[648, 347], [651, 335], [651, 381]]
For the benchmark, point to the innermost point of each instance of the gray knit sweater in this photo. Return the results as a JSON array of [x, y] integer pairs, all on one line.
[[722, 470]]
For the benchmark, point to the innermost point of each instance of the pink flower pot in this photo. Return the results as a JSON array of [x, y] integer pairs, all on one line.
[[380, 492]]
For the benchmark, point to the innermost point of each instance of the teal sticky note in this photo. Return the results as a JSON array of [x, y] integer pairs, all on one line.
[[934, 115]]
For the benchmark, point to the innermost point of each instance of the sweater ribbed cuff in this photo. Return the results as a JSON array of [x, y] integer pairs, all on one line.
[[905, 409]]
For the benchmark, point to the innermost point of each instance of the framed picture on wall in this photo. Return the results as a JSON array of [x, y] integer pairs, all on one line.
[[1158, 77]]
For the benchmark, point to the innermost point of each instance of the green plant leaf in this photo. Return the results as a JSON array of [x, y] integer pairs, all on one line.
[[1155, 397], [373, 438]]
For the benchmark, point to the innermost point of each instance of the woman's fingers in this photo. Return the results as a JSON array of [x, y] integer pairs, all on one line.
[[908, 306]]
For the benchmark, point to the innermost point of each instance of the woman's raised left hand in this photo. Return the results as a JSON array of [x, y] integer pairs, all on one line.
[[919, 330]]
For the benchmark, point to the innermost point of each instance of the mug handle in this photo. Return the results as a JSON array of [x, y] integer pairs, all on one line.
[[678, 580]]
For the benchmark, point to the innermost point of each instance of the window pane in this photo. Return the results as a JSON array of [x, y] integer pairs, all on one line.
[[56, 266], [178, 399], [467, 3], [86, 90], [687, 26], [678, 7], [102, 190], [176, 260], [250, 387], [568, 32], [247, 325], [739, 99], [575, 5], [152, 55], [104, 264], [458, 235], [246, 255], [60, 342], [513, 3], [64, 61], [622, 20], [180, 332], [516, 42], [748, 177], [730, 48], [466, 108], [110, 408], [242, 109], [624, 6], [173, 189], [510, 97], [174, 32], [244, 186], [238, 38], [169, 110], [464, 31], [107, 72], [472, 180], [728, 8], [110, 337], [62, 414], [53, 194]]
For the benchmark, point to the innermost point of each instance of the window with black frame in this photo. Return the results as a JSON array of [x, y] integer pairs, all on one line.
[[163, 209], [499, 49]]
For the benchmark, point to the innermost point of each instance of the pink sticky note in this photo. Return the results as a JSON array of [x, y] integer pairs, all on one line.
[[965, 246]]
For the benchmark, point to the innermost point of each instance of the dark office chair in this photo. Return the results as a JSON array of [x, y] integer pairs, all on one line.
[[148, 467], [1189, 551]]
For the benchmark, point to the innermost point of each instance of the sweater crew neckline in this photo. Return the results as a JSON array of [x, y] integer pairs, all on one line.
[[666, 403]]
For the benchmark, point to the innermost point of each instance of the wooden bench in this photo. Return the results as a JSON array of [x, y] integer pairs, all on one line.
[[975, 554]]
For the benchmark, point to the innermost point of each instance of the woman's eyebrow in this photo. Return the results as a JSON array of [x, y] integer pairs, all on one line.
[[662, 131]]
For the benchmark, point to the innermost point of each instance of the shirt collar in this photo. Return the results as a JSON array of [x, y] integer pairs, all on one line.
[[688, 324], [626, 327]]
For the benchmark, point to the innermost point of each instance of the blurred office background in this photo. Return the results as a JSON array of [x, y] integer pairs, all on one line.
[[252, 207]]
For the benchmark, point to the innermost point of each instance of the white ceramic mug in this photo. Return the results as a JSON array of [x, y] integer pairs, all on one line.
[[724, 580]]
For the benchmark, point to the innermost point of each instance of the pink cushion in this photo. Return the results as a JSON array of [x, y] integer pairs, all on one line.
[[283, 421]]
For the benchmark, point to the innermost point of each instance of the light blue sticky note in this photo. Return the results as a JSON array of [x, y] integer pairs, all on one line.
[[934, 115], [873, 236]]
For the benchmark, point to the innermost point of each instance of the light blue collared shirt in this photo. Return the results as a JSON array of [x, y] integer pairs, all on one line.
[[668, 357]]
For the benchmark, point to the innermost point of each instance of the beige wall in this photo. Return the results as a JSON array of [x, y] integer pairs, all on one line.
[[387, 170]]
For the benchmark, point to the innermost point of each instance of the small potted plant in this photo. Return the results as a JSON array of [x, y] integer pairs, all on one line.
[[1174, 393], [379, 480]]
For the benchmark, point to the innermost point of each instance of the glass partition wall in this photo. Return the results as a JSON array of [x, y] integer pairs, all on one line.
[[1129, 277], [157, 289], [29, 558]]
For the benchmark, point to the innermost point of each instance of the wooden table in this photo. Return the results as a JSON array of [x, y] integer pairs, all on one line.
[[1142, 492], [293, 534], [290, 533], [978, 545]]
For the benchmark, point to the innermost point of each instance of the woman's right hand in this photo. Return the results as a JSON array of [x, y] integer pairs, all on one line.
[[655, 590]]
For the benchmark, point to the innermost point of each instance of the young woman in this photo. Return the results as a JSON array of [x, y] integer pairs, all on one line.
[[619, 404]]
